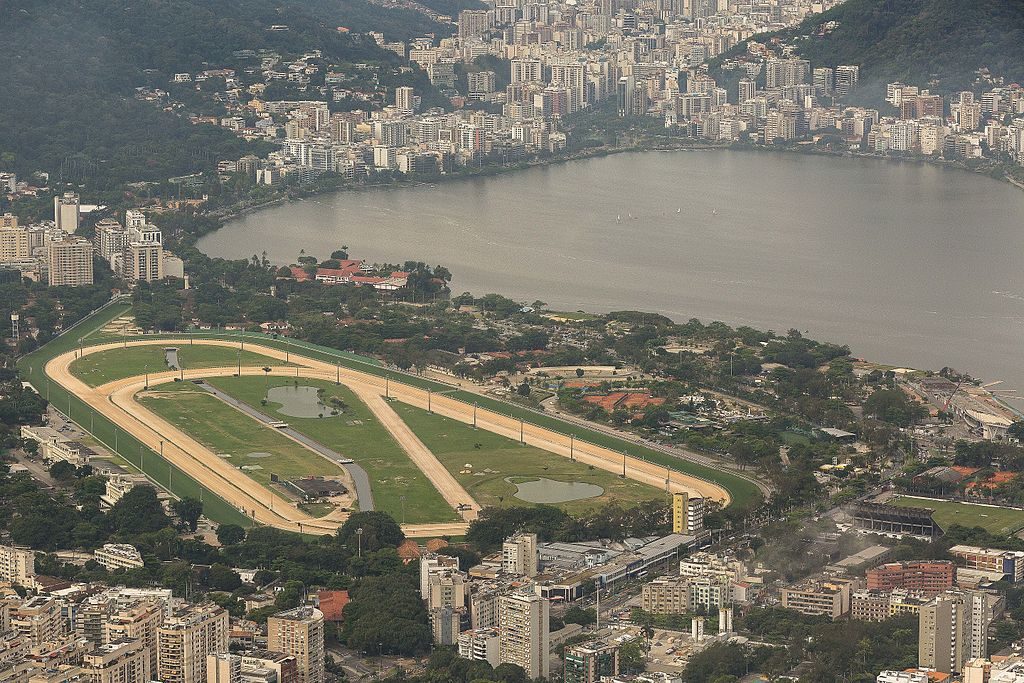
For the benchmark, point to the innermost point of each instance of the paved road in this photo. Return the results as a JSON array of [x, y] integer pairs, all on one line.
[[364, 493]]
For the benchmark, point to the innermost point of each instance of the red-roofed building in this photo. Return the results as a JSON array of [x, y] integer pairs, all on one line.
[[332, 603], [982, 488]]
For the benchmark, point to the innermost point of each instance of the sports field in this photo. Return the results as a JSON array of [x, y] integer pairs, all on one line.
[[495, 458], [254, 448], [357, 434], [106, 366], [995, 520]]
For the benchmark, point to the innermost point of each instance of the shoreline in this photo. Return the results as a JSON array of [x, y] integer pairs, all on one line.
[[587, 154], [229, 213]]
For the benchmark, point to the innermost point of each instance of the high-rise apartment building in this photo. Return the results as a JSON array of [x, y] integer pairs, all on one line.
[[143, 262], [519, 555], [480, 644], [666, 595], [121, 661], [184, 640], [824, 82], [256, 666], [70, 262], [474, 23], [109, 240], [17, 565], [526, 71], [591, 662], [846, 77], [780, 73], [687, 514], [223, 667], [140, 622], [67, 211], [524, 632], [14, 244], [953, 629], [39, 620], [431, 563], [300, 632], [447, 588], [404, 99]]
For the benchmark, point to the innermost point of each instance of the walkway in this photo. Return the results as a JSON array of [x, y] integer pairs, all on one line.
[[360, 479]]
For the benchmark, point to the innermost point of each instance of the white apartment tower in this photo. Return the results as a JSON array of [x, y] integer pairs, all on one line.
[[16, 564], [404, 99], [526, 71], [519, 555], [67, 211], [524, 633]]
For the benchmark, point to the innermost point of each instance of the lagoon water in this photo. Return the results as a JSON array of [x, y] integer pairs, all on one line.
[[908, 264]]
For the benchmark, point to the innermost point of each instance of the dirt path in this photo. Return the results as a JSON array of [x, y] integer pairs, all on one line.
[[257, 502], [446, 484]]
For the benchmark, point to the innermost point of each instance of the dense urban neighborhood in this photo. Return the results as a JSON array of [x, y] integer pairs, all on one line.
[[334, 468]]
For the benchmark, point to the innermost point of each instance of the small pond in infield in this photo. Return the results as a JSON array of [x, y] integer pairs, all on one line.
[[301, 401], [544, 490]]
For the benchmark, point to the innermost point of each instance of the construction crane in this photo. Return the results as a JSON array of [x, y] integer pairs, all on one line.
[[945, 408]]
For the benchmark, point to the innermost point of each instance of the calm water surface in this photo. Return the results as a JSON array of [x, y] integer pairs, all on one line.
[[911, 265]]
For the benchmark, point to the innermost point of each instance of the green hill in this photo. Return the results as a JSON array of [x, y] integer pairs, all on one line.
[[69, 68], [942, 42]]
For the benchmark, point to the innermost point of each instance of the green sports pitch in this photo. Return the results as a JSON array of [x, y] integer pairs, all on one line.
[[994, 519]]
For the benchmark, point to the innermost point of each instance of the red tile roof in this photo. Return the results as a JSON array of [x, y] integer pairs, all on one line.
[[332, 603]]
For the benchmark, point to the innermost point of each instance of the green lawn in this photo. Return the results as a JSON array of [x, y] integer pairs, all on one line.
[[130, 449], [744, 492], [106, 366], [995, 520], [356, 434], [495, 458], [227, 431]]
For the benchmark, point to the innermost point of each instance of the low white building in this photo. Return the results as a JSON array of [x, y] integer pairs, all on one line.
[[53, 446], [119, 556]]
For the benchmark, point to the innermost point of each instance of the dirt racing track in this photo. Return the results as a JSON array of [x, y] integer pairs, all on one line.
[[117, 401]]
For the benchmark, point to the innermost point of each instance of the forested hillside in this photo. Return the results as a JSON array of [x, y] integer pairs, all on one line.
[[918, 41], [69, 69]]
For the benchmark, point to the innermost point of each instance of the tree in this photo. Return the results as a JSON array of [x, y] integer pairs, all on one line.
[[379, 530], [632, 658], [893, 406], [1016, 430], [230, 534], [62, 470], [578, 615], [290, 596], [524, 389], [188, 510], [223, 578], [580, 372], [139, 511]]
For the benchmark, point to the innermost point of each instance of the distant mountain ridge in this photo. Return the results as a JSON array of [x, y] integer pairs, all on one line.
[[69, 67], [917, 41]]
